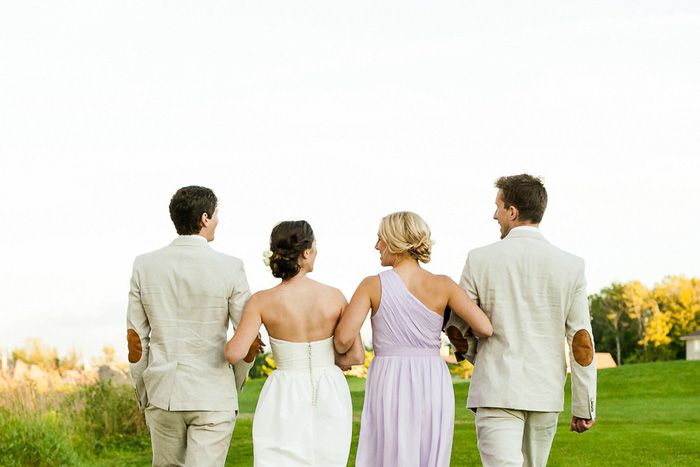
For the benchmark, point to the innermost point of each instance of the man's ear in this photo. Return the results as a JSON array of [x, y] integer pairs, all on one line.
[[513, 213], [204, 219]]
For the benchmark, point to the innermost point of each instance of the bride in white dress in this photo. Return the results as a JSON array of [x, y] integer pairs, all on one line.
[[304, 413]]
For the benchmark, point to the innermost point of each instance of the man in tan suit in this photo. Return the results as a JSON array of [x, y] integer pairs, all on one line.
[[181, 300], [535, 296]]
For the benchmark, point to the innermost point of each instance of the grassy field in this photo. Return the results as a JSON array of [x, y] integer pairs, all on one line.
[[648, 415]]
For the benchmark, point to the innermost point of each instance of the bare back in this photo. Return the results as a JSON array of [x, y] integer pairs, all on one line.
[[301, 310]]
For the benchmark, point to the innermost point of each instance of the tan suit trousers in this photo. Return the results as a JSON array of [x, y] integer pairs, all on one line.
[[190, 438], [514, 437]]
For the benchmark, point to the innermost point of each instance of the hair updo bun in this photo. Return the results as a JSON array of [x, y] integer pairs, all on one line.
[[407, 233], [288, 241]]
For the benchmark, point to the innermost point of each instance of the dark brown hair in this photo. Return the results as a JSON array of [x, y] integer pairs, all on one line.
[[288, 241], [187, 206], [526, 193]]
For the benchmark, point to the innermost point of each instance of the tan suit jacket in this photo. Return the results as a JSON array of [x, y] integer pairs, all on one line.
[[181, 301], [535, 296]]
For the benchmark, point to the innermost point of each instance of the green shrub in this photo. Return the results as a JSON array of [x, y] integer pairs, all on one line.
[[106, 415], [64, 427], [256, 371], [35, 439]]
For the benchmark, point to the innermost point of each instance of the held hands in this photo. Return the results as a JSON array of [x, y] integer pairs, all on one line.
[[341, 362], [579, 425]]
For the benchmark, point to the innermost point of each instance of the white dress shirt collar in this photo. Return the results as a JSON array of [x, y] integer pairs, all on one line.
[[195, 236], [531, 228]]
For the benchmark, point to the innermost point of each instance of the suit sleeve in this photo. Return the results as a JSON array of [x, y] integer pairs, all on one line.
[[239, 297], [579, 336], [138, 331], [466, 282]]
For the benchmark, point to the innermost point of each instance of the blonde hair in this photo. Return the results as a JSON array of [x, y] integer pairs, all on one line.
[[406, 233]]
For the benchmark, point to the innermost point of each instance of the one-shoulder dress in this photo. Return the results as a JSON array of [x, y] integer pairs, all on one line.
[[408, 415], [304, 412]]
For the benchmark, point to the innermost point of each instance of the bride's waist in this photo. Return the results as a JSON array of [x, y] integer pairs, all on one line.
[[302, 364], [305, 369]]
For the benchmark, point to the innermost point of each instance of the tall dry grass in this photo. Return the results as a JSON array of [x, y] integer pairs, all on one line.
[[23, 398], [67, 426]]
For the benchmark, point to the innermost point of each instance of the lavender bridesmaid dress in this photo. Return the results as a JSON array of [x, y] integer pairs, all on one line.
[[408, 416]]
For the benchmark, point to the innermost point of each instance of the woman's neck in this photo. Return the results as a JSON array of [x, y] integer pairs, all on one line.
[[301, 275], [406, 263]]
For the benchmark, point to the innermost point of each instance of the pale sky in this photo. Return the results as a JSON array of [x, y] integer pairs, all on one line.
[[338, 113]]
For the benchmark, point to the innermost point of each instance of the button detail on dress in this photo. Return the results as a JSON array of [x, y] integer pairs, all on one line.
[[311, 376]]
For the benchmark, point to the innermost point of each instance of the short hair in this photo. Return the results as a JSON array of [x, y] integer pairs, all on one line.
[[526, 193], [288, 241], [187, 206], [406, 232]]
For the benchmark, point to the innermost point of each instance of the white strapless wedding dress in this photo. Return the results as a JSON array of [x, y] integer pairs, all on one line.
[[304, 413]]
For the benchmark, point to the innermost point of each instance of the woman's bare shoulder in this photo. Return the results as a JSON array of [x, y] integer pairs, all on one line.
[[444, 279], [371, 281], [440, 281], [265, 296], [371, 286], [329, 292]]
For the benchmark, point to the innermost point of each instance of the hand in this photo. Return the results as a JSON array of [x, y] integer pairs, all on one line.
[[261, 346], [579, 425], [345, 367]]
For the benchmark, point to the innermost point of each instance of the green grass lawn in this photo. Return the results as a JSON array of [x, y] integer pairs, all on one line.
[[648, 415]]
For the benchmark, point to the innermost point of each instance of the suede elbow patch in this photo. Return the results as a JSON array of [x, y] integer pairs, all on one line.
[[253, 351], [582, 347], [457, 340], [135, 348]]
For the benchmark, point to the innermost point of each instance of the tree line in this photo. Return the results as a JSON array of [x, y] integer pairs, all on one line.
[[637, 324]]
